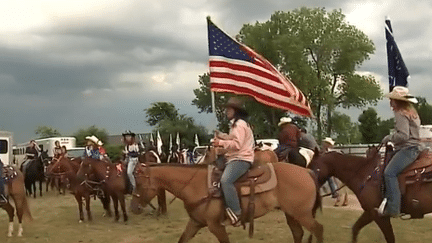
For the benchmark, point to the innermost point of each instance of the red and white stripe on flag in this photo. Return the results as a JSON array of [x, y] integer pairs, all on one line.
[[248, 73]]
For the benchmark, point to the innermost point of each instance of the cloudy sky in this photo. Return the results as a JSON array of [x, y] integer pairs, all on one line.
[[73, 64]]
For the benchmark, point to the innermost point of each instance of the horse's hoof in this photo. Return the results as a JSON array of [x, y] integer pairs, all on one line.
[[9, 235], [80, 221]]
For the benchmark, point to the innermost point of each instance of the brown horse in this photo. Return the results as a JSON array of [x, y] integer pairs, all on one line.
[[66, 170], [110, 180], [16, 190], [295, 194], [364, 177]]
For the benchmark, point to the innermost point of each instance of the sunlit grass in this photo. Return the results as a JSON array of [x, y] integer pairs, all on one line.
[[56, 220]]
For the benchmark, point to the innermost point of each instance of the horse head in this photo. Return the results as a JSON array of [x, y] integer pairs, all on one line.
[[321, 166], [146, 190], [86, 169], [373, 152]]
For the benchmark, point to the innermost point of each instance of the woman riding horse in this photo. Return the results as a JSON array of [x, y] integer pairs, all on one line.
[[131, 152], [240, 156], [407, 147]]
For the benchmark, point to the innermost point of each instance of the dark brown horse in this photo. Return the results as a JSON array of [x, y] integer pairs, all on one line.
[[295, 194], [66, 171], [109, 179], [16, 190], [364, 177]]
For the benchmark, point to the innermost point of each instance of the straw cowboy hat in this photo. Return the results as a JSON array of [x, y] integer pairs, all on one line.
[[236, 103], [93, 138], [284, 120], [329, 140], [401, 93]]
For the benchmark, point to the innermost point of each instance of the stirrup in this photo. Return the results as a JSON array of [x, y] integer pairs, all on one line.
[[235, 219], [382, 206], [3, 200]]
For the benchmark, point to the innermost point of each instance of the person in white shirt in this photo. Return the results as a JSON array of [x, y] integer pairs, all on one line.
[[132, 153]]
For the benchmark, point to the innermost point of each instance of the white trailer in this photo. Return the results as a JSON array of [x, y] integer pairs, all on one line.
[[6, 151]]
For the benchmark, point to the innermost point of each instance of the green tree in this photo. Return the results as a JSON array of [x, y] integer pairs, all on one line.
[[100, 133], [160, 111], [384, 128], [369, 125], [320, 51], [424, 110], [345, 131], [46, 132], [166, 119]]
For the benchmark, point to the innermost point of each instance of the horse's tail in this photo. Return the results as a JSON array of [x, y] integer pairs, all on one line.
[[318, 200], [26, 210]]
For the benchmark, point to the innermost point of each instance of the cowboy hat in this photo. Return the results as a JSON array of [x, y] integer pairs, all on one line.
[[401, 93], [128, 133], [329, 140], [236, 103], [284, 120], [92, 138]]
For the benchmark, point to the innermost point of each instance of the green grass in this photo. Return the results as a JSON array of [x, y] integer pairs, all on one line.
[[56, 220]]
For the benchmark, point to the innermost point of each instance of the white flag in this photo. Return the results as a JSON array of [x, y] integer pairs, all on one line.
[[151, 138], [196, 140], [178, 142], [159, 143], [170, 143]]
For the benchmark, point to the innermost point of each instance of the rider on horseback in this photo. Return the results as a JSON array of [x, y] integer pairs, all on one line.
[[3, 199], [92, 148], [408, 146], [239, 144], [32, 153], [132, 153], [57, 151], [289, 136]]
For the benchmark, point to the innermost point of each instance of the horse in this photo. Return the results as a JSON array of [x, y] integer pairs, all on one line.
[[66, 170], [35, 171], [175, 157], [295, 193], [363, 175], [150, 156], [94, 171], [16, 190]]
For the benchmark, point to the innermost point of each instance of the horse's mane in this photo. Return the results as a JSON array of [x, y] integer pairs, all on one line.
[[352, 160]]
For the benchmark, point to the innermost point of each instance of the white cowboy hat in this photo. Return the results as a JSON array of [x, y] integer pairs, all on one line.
[[99, 143], [329, 140], [284, 120], [401, 93], [92, 138]]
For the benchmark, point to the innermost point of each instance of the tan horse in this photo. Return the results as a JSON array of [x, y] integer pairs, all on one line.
[[295, 194], [16, 191]]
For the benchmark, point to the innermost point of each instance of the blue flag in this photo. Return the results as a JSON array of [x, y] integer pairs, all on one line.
[[397, 71]]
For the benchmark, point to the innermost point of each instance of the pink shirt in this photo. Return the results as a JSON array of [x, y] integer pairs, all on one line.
[[241, 146]]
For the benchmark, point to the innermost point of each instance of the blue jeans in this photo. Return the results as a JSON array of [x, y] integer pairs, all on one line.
[[132, 162], [233, 170], [402, 159]]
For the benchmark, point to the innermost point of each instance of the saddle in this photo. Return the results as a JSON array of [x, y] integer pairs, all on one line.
[[420, 171], [9, 173], [258, 179]]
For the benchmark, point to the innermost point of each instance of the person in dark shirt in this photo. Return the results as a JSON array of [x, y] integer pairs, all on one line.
[[32, 153], [288, 149], [307, 145]]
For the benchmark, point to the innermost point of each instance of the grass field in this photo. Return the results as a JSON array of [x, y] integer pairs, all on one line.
[[56, 220]]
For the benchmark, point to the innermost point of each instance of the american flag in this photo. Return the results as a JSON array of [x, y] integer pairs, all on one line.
[[397, 71], [236, 68]]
